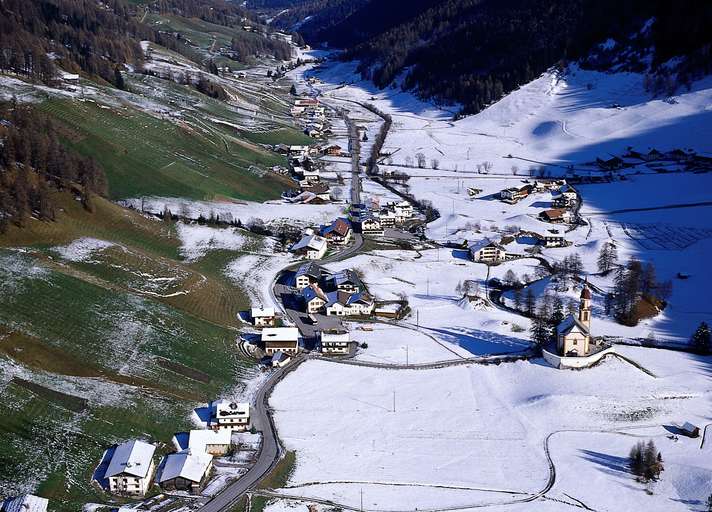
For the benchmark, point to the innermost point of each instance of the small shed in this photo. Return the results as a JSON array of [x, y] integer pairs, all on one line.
[[690, 430]]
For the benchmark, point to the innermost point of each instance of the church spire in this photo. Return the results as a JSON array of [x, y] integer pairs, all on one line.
[[584, 315]]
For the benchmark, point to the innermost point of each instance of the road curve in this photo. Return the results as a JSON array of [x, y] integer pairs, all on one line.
[[269, 452]]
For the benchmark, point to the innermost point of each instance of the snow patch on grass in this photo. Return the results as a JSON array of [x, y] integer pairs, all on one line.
[[197, 241], [82, 249]]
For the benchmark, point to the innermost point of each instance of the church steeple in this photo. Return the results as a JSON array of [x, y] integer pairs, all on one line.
[[584, 315]]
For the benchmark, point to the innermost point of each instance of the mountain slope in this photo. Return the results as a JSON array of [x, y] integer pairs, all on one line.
[[472, 52]]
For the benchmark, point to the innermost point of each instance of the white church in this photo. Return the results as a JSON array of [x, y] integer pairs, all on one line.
[[574, 346]]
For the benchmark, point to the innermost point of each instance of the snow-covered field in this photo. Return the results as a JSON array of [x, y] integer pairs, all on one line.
[[269, 212], [459, 434]]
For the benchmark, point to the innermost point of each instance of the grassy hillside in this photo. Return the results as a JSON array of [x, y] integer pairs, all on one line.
[[120, 343], [143, 155]]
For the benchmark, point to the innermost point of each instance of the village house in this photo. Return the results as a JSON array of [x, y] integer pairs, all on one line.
[[346, 281], [548, 185], [306, 102], [308, 274], [561, 202], [553, 238], [557, 215], [214, 442], [610, 164], [335, 342], [312, 175], [185, 471], [569, 193], [312, 247], [401, 211], [263, 317], [348, 304], [487, 251], [227, 415], [371, 226], [573, 334], [514, 194], [24, 503], [387, 218], [333, 150], [338, 232], [131, 468], [652, 155], [314, 299], [390, 310], [285, 339]]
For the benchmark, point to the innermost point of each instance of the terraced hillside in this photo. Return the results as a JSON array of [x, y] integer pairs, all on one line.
[[108, 331]]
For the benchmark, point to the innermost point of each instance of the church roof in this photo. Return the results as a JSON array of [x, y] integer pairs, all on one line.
[[569, 324], [585, 293]]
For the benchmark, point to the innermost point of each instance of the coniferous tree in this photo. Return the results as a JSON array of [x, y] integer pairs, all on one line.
[[701, 340], [529, 302], [540, 329]]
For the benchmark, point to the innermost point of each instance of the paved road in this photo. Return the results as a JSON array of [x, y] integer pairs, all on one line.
[[269, 453]]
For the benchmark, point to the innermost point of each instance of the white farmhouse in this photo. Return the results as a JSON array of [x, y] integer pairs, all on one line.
[[263, 317], [131, 468], [487, 251], [214, 442], [312, 247], [228, 415], [284, 339], [335, 342]]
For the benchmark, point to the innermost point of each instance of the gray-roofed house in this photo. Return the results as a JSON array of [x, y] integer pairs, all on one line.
[[347, 281], [25, 503], [314, 299], [185, 471], [131, 468], [312, 247], [487, 251], [307, 274]]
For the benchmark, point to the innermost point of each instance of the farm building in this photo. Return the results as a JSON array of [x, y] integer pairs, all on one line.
[[225, 414], [285, 339], [487, 251], [690, 430], [553, 238], [557, 215], [338, 232], [314, 299], [214, 442], [335, 342], [312, 247], [131, 468], [263, 317], [307, 274], [185, 471], [371, 226]]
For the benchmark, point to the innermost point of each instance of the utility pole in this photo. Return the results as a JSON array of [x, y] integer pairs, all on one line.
[[394, 400], [406, 355], [417, 319], [361, 499]]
